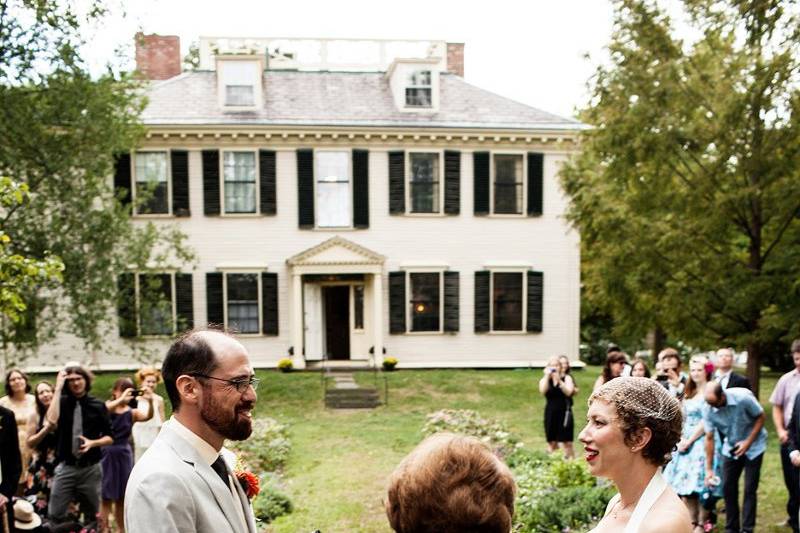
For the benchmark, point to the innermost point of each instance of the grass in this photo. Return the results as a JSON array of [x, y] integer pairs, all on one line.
[[340, 460]]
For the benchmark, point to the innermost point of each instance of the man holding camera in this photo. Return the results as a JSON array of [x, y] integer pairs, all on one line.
[[737, 415], [82, 428], [670, 375]]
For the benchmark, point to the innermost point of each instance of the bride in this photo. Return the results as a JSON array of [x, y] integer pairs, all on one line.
[[632, 426]]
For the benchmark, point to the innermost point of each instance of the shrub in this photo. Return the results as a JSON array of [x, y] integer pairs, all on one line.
[[285, 365], [565, 509], [389, 363], [467, 422], [271, 503], [267, 448]]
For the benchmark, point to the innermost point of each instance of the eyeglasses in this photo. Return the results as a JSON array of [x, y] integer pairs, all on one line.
[[240, 384]]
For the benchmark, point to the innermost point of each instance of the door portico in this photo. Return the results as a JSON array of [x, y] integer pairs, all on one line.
[[325, 265]]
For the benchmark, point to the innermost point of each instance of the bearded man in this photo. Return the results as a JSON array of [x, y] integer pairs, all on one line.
[[184, 481]]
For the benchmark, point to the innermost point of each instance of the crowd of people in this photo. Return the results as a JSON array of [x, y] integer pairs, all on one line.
[[67, 462]]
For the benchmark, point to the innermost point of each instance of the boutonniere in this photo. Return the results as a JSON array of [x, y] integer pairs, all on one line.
[[247, 479]]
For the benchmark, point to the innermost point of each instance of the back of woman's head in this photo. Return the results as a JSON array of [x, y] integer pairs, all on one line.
[[120, 385], [450, 484]]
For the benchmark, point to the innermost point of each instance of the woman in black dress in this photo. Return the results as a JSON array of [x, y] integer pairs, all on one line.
[[558, 388]]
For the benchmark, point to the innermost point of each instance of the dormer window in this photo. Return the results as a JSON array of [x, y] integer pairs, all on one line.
[[239, 95], [419, 90], [239, 82]]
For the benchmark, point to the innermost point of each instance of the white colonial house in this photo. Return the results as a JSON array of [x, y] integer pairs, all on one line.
[[348, 200]]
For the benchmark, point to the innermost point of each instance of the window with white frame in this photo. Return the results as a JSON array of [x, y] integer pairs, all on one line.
[[424, 182], [155, 301], [239, 181], [508, 301], [425, 309], [242, 302], [419, 89], [508, 184], [334, 198], [152, 183], [238, 80]]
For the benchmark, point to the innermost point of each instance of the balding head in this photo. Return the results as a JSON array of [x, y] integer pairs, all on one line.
[[714, 394]]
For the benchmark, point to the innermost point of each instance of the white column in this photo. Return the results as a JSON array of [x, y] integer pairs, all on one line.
[[377, 316], [297, 321]]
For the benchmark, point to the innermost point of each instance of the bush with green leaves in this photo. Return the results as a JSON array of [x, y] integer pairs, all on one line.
[[271, 502], [468, 422], [267, 448]]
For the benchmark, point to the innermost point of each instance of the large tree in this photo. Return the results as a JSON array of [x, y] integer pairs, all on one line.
[[60, 127], [687, 191]]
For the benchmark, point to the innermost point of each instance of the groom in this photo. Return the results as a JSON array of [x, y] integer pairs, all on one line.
[[183, 482]]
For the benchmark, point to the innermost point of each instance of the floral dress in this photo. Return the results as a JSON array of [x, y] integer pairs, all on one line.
[[41, 471], [686, 472]]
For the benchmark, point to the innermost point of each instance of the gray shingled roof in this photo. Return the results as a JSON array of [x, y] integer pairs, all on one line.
[[361, 99]]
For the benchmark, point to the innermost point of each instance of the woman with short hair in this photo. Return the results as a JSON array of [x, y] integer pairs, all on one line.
[[19, 400], [451, 484], [144, 433], [632, 427], [558, 388]]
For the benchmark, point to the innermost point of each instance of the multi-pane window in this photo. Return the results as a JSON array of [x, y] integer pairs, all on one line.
[[239, 173], [333, 196], [425, 308], [418, 89], [508, 184], [152, 183], [242, 302], [424, 182], [507, 301], [358, 307], [239, 95], [154, 297]]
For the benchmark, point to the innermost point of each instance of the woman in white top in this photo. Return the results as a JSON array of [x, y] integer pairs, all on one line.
[[144, 433], [633, 425]]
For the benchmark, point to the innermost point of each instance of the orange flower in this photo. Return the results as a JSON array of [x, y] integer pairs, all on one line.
[[249, 482]]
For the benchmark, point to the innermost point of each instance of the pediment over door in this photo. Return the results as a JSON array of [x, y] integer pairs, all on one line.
[[337, 255]]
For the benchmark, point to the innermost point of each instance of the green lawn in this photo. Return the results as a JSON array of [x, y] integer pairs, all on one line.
[[337, 469]]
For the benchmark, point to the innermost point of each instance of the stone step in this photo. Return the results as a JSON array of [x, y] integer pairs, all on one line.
[[351, 393], [351, 404], [352, 398]]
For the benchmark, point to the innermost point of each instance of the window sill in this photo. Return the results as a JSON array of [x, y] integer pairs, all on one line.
[[424, 333], [508, 215], [503, 333], [153, 215], [241, 215], [426, 215], [340, 228]]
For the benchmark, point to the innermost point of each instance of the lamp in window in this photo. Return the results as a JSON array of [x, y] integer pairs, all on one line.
[[420, 308]]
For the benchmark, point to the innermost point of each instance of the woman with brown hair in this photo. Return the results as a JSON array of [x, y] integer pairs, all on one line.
[[41, 440], [632, 426], [451, 484], [615, 364], [558, 388], [19, 399]]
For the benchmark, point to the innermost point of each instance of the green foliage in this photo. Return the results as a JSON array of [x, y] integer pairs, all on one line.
[[285, 364], [389, 363], [686, 190], [468, 422], [59, 129], [267, 448], [271, 503]]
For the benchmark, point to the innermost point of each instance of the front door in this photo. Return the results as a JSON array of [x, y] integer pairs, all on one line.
[[336, 300]]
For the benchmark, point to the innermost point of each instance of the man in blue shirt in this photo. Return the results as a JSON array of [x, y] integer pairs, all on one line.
[[737, 415]]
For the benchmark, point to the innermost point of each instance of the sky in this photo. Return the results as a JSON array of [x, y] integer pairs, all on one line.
[[533, 51]]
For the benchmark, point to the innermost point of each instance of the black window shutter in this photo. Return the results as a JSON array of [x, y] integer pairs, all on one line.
[[126, 305], [482, 301], [535, 183], [451, 301], [122, 178], [211, 182], [452, 182], [361, 188], [480, 174], [179, 160], [305, 188], [535, 298], [397, 183], [269, 303], [267, 173], [184, 301], [214, 301], [397, 302]]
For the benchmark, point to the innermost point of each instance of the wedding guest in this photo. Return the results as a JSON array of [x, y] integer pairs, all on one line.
[[144, 433], [117, 461], [451, 484], [615, 364], [558, 388], [639, 368], [632, 426], [10, 461], [736, 414], [782, 400], [671, 376], [19, 400], [42, 441], [724, 374]]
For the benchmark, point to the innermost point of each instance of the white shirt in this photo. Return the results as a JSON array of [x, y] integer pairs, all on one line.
[[208, 454], [723, 377]]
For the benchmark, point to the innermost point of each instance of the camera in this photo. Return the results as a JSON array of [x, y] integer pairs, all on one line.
[[138, 392], [662, 377]]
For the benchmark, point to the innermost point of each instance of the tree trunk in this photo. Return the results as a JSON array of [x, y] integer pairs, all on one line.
[[753, 364], [656, 338]]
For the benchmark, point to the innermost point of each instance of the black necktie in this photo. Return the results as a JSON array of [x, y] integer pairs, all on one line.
[[221, 470]]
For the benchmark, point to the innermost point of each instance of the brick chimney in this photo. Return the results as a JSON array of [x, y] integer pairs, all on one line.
[[158, 57], [455, 58]]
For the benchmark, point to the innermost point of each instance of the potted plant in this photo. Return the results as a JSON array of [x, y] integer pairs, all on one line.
[[285, 365], [389, 363]]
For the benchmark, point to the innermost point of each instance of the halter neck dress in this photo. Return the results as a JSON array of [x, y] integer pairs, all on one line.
[[651, 493]]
